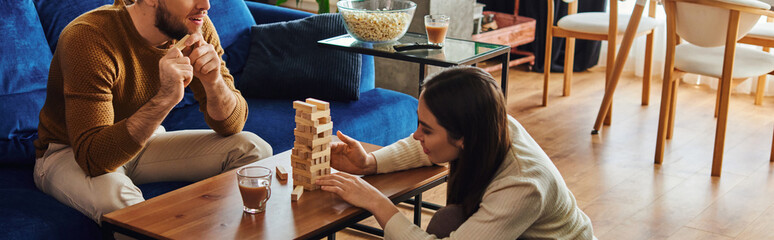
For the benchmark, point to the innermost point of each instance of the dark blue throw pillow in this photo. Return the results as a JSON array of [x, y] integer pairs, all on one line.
[[286, 63], [24, 58]]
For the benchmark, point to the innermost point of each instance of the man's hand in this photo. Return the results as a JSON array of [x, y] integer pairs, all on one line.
[[175, 73], [205, 63], [204, 59]]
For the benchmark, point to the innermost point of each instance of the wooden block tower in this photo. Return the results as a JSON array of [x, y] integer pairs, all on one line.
[[311, 150]]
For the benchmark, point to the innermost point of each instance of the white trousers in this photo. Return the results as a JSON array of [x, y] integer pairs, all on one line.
[[189, 155]]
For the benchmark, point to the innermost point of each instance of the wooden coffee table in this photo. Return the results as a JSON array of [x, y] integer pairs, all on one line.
[[212, 208]]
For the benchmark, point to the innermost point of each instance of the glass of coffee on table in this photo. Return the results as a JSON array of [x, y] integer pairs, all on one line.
[[255, 187], [436, 26]]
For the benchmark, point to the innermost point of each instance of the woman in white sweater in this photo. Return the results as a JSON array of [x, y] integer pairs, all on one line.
[[501, 183]]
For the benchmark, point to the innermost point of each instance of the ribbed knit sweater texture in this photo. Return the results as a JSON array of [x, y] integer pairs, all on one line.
[[527, 199], [102, 72]]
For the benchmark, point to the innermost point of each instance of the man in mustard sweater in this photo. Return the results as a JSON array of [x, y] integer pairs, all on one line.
[[114, 78]]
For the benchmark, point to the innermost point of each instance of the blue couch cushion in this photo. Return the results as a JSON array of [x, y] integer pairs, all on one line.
[[285, 62], [232, 20], [29, 213], [380, 117], [25, 59], [56, 14]]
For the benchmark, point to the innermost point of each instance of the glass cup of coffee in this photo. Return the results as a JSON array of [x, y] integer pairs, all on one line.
[[436, 26], [255, 187]]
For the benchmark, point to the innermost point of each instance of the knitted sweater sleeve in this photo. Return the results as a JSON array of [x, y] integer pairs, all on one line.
[[236, 121], [401, 155], [508, 208], [89, 70]]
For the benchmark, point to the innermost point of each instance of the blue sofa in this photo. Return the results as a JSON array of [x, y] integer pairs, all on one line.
[[28, 39]]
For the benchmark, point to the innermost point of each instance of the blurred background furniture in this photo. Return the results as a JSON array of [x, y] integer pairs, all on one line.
[[594, 26], [711, 29], [620, 60], [762, 35], [512, 30]]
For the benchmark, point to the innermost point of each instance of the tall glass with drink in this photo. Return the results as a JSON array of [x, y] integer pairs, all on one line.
[[436, 26], [255, 187]]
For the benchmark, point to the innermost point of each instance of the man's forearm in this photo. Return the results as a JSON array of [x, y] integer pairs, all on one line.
[[147, 119], [221, 101]]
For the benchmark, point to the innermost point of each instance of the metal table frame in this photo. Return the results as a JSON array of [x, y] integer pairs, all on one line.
[[501, 51]]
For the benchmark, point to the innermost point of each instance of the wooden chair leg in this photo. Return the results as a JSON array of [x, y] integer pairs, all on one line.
[[720, 131], [717, 99], [771, 159], [725, 91], [663, 119], [620, 60], [761, 85], [547, 68], [549, 45], [666, 89], [611, 44], [569, 65], [647, 69], [760, 89], [673, 103]]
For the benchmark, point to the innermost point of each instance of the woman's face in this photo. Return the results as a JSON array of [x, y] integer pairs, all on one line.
[[434, 138]]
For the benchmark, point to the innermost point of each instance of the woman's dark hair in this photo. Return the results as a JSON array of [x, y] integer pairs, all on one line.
[[467, 102]]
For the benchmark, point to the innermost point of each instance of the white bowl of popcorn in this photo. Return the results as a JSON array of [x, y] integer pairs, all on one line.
[[376, 21]]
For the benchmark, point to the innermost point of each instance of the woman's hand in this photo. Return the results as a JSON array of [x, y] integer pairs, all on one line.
[[359, 193], [349, 156]]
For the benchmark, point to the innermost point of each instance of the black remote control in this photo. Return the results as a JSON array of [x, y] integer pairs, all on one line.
[[416, 45]]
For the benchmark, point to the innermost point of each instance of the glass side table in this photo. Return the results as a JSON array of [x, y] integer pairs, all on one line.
[[455, 52]]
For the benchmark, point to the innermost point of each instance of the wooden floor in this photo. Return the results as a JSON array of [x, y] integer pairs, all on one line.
[[612, 174]]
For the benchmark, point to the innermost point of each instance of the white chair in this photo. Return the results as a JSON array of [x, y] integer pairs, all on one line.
[[711, 29], [595, 26], [762, 35]]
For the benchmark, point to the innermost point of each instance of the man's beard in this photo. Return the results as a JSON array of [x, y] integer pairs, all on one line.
[[167, 24]]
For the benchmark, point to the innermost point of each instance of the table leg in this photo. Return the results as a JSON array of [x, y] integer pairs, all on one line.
[[505, 58], [107, 233], [421, 77], [418, 210], [332, 236]]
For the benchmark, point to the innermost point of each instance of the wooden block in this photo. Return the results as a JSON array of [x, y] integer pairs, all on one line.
[[282, 174], [306, 186], [180, 45], [321, 105], [297, 193], [321, 147], [301, 147], [299, 178], [305, 135], [321, 128], [304, 115], [323, 120], [325, 152], [303, 128], [303, 167], [311, 187], [305, 107], [320, 114], [321, 141], [326, 133], [308, 122], [304, 141]]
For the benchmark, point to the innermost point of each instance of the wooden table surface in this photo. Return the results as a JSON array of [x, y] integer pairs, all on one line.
[[212, 208]]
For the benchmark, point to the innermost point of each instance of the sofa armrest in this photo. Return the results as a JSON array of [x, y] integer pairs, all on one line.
[[265, 13]]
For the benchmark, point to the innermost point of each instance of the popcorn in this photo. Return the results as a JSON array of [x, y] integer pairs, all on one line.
[[376, 26]]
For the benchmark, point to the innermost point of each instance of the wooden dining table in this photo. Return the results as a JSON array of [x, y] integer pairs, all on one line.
[[212, 208]]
